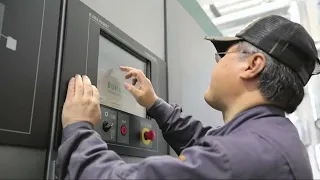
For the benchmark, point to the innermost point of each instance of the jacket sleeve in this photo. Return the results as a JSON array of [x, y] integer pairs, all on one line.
[[174, 123], [84, 155]]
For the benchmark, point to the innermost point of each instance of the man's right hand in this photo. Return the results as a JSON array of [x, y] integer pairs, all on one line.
[[144, 94], [82, 102]]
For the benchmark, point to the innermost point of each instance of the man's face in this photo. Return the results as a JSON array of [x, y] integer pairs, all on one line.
[[225, 80], [233, 77]]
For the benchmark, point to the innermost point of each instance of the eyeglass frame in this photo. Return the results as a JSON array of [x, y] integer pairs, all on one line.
[[218, 57]]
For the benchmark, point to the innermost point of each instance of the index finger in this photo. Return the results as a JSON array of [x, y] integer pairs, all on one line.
[[139, 75], [126, 68]]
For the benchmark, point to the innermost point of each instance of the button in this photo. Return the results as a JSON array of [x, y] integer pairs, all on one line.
[[150, 135], [123, 130], [106, 126]]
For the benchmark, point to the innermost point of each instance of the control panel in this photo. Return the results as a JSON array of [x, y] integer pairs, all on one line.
[[121, 129], [101, 48]]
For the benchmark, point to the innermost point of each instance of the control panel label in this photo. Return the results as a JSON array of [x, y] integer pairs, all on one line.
[[95, 18]]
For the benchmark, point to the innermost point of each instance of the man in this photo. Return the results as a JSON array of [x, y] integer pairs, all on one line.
[[258, 77]]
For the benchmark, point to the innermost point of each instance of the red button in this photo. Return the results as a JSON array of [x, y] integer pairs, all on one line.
[[150, 135], [123, 130]]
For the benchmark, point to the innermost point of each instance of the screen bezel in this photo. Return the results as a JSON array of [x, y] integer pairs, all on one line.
[[129, 50]]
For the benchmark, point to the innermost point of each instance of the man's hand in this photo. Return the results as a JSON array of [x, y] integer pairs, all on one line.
[[144, 94], [82, 102]]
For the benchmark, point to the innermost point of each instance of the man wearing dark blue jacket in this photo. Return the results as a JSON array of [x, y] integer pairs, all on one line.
[[259, 75]]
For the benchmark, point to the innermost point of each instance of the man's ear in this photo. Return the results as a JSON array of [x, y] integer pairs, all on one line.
[[254, 65]]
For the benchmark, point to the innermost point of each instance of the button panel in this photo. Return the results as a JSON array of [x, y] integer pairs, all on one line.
[[125, 130]]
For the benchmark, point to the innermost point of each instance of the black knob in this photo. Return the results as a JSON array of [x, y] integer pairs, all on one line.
[[106, 126]]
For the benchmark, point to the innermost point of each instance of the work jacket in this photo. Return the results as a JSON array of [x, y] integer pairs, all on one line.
[[259, 143]]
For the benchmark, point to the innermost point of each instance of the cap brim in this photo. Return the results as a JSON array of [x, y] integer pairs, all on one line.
[[222, 44]]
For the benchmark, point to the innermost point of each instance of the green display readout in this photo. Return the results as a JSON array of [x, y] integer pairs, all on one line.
[[115, 87]]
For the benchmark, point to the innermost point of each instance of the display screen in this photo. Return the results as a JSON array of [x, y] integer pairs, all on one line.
[[111, 79]]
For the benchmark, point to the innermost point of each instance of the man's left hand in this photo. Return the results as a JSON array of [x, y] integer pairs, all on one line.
[[82, 102]]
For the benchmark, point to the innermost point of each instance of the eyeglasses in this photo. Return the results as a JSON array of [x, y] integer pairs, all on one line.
[[219, 55]]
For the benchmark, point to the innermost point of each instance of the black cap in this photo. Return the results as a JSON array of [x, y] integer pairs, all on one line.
[[284, 40]]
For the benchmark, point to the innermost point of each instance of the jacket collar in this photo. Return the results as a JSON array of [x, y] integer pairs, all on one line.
[[250, 114]]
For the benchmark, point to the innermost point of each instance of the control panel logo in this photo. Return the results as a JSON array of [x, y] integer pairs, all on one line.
[[99, 21]]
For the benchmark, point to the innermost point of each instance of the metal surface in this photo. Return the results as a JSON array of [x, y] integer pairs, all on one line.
[[28, 51]]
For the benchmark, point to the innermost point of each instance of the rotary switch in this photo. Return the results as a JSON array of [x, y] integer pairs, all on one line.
[[106, 126]]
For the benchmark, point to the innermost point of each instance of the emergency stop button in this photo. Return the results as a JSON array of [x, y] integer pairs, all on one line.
[[123, 130], [150, 135]]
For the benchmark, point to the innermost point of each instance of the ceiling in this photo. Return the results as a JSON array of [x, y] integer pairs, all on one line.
[[230, 16]]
